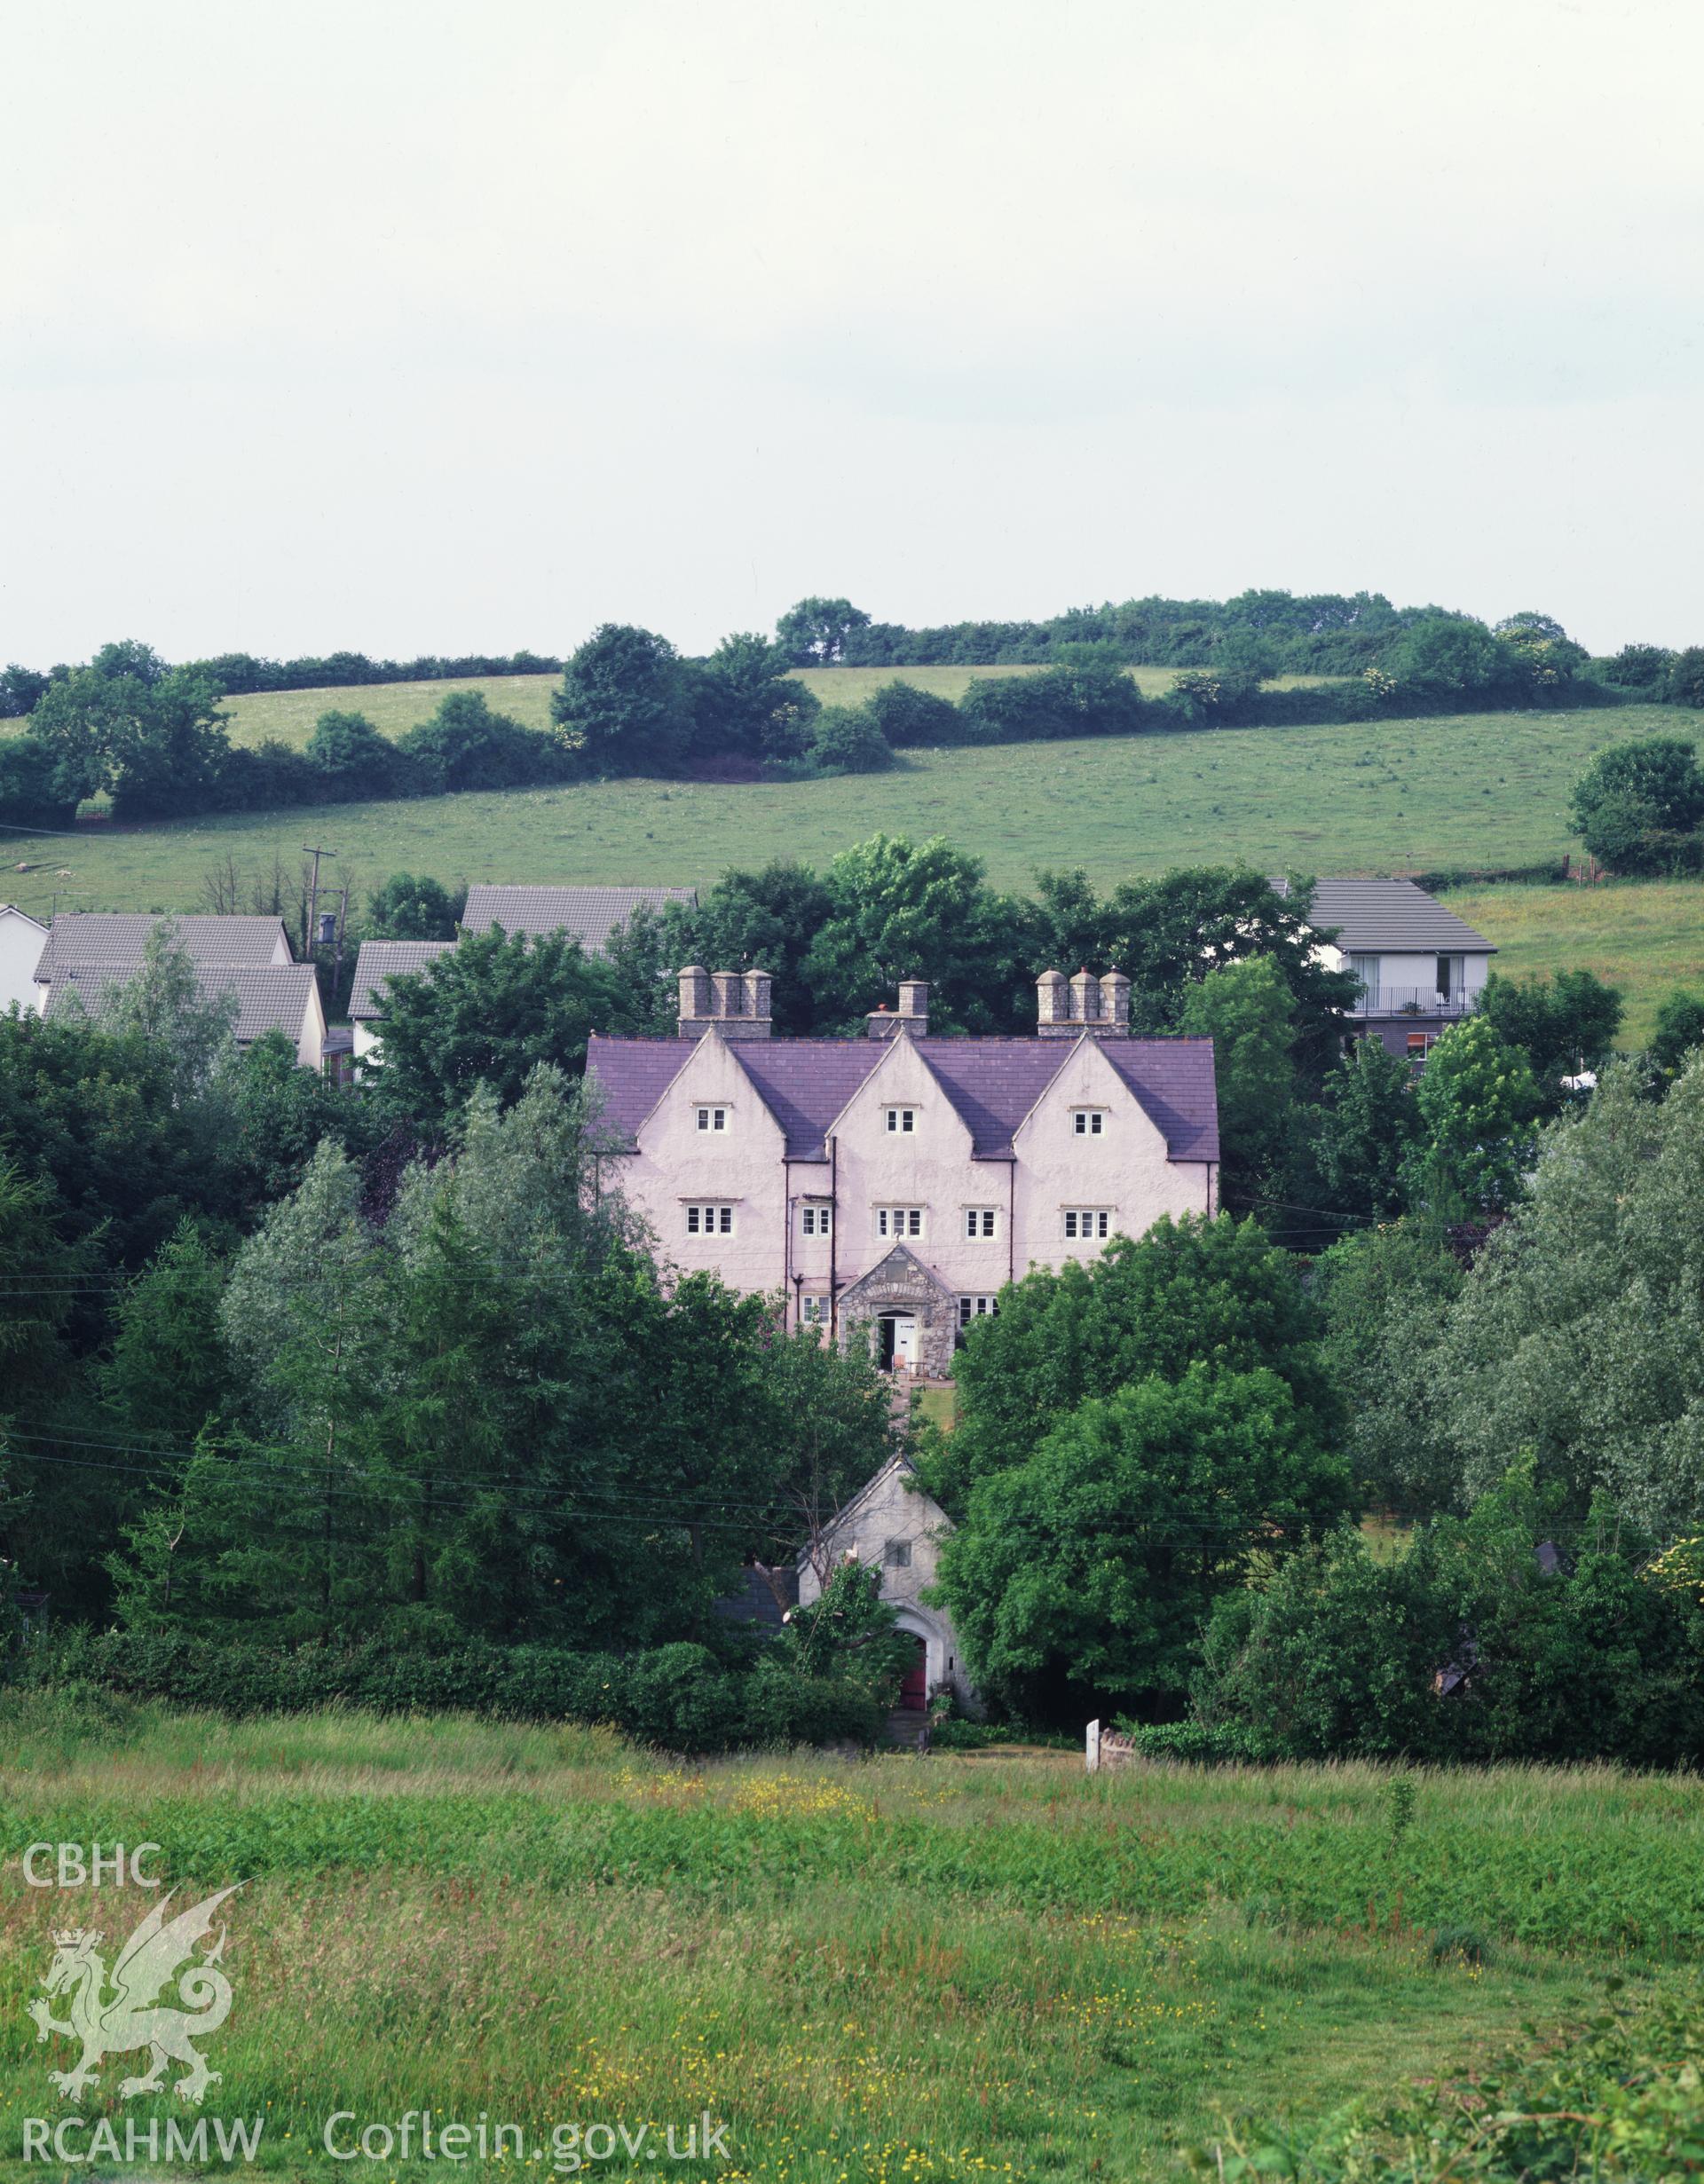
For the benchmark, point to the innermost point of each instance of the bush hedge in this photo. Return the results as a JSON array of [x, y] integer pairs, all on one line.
[[677, 1698]]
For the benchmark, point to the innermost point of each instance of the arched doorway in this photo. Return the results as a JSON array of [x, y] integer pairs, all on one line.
[[914, 1684]]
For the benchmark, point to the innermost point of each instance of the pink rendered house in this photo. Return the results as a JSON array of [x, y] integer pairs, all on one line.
[[889, 1186]]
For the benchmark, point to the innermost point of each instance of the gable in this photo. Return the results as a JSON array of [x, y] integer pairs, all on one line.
[[1089, 1078], [904, 1078], [897, 1475], [711, 1075]]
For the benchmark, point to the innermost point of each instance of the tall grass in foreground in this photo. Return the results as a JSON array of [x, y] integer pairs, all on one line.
[[947, 1967]]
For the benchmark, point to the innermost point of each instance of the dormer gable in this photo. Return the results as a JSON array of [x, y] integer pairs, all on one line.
[[902, 1085], [711, 1083], [1088, 1101]]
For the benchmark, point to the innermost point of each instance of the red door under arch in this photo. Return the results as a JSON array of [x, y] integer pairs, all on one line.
[[914, 1686]]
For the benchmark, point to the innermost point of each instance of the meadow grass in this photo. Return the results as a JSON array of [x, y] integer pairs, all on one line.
[[288, 716], [1481, 790], [1644, 937], [956, 1967]]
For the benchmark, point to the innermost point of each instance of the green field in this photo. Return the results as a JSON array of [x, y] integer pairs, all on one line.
[[893, 1969], [1471, 789], [1644, 937], [393, 707], [1474, 790]]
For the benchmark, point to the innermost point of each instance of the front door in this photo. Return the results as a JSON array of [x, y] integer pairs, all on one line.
[[905, 1342], [914, 1685]]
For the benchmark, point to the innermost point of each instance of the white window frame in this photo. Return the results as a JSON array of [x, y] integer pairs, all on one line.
[[815, 1220], [710, 1217], [981, 1224], [813, 1311], [1086, 1224], [977, 1308], [901, 1122], [1089, 1123], [903, 1221], [714, 1119]]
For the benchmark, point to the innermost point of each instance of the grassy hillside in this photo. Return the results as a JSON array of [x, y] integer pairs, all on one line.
[[392, 707], [1472, 789], [1644, 937], [1475, 790], [952, 1967]]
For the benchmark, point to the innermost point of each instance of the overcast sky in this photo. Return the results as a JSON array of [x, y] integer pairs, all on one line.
[[423, 328]]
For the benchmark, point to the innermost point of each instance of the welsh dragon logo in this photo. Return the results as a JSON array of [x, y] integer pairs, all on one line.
[[110, 2024]]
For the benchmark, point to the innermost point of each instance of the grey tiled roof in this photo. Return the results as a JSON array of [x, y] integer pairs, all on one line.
[[117, 938], [381, 959], [270, 997], [1388, 914], [588, 915], [992, 1084]]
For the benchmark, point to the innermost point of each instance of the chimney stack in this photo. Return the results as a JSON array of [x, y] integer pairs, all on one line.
[[912, 1016], [1115, 1005], [1067, 1008], [735, 1002], [1052, 1005]]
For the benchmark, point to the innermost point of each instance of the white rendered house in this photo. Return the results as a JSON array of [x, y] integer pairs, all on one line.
[[890, 1186], [21, 941]]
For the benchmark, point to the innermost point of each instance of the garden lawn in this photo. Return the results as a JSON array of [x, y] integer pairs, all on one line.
[[891, 1969]]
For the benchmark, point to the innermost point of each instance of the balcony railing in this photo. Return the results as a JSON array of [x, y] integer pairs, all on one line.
[[1412, 1001]]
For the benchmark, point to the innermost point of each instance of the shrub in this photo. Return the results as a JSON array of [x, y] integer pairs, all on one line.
[[1639, 807], [353, 760], [679, 1698], [1680, 1028], [908, 716], [845, 739], [1338, 1655], [266, 776], [1686, 677], [32, 792], [1639, 667], [466, 745]]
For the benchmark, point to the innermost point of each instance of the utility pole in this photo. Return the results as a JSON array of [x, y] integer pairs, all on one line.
[[337, 959], [310, 938]]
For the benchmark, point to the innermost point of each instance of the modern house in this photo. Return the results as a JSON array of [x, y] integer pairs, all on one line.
[[1421, 967], [378, 961], [113, 942], [21, 941], [889, 1186], [270, 997], [894, 1526], [588, 915], [89, 953]]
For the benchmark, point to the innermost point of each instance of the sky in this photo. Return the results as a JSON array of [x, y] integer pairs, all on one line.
[[414, 328]]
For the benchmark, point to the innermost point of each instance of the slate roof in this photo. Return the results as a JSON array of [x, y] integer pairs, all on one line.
[[992, 1084], [588, 915], [116, 939], [1391, 915], [270, 997], [381, 959]]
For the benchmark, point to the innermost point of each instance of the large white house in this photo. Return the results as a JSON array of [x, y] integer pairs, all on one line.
[[889, 1186]]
